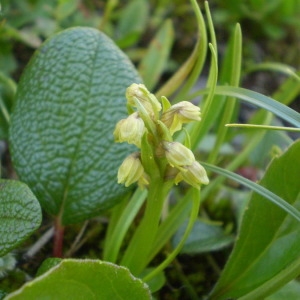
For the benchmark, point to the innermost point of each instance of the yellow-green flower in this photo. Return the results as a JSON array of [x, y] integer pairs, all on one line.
[[177, 154], [177, 114], [132, 170], [148, 100], [193, 174], [130, 130]]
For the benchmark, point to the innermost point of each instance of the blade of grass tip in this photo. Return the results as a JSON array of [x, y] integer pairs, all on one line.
[[235, 54], [253, 126], [201, 55], [261, 116], [282, 111], [196, 58], [256, 188], [279, 109], [212, 33], [9, 83], [109, 7], [4, 111], [194, 76], [275, 67], [198, 130], [252, 143]]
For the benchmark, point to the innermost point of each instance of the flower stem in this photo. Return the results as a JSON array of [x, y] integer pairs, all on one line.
[[135, 257], [59, 230], [175, 252]]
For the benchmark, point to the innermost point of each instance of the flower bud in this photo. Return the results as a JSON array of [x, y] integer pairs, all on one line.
[[177, 114], [148, 100], [177, 154], [132, 170], [194, 174], [130, 130]]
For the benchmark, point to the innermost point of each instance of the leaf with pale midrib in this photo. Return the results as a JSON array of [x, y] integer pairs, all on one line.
[[69, 99], [84, 279]]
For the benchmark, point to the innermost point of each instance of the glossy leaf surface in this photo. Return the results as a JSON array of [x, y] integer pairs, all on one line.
[[266, 255], [84, 279], [69, 99], [20, 214]]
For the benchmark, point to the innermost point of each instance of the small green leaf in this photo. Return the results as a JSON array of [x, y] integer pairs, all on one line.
[[84, 279], [204, 237], [154, 62], [48, 264], [69, 99], [65, 8], [20, 214], [266, 255], [133, 21]]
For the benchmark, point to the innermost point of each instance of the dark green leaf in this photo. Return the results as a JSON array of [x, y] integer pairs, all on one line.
[[69, 99], [267, 253], [84, 279], [204, 237], [20, 214]]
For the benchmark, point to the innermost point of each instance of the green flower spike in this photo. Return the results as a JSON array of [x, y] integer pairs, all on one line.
[[132, 170], [178, 155], [194, 175], [148, 100], [177, 114], [130, 130]]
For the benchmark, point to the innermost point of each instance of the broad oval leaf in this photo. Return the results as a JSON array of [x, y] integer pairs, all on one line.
[[84, 279], [267, 252], [20, 214], [69, 99]]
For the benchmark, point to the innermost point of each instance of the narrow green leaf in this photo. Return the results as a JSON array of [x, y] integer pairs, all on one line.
[[69, 99], [65, 8], [154, 62], [257, 188], [129, 31], [84, 279], [280, 110], [276, 67], [20, 214], [262, 127], [195, 61], [233, 63], [266, 255]]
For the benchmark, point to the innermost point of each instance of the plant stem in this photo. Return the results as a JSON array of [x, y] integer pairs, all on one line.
[[116, 235], [59, 230], [135, 257], [175, 252]]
